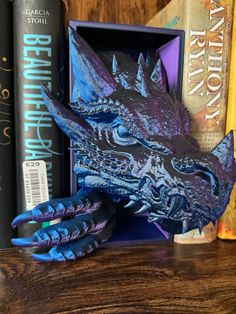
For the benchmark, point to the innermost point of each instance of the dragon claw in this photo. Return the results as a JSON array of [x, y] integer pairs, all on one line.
[[77, 248], [89, 225], [43, 257], [64, 231], [59, 208], [23, 242], [24, 217]]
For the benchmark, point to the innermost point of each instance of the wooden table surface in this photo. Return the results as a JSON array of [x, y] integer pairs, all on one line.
[[160, 278]]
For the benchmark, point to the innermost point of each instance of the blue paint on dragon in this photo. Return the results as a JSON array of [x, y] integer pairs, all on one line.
[[132, 143]]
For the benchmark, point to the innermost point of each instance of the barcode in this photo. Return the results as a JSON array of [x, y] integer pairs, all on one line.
[[35, 183], [35, 186]]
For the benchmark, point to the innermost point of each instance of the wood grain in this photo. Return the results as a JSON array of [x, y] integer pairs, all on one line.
[[161, 278], [137, 12]]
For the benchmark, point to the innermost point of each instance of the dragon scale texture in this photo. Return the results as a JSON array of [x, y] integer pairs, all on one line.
[[131, 141]]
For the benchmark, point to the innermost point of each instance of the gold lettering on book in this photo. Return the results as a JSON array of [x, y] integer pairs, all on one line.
[[214, 80], [5, 111], [196, 62], [206, 48]]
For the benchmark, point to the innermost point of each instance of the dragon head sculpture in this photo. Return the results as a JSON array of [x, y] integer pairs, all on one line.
[[131, 140]]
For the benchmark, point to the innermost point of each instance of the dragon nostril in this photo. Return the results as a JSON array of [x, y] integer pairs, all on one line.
[[210, 178]]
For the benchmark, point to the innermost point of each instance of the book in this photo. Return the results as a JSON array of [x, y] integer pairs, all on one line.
[[207, 26], [38, 59], [227, 223], [7, 161]]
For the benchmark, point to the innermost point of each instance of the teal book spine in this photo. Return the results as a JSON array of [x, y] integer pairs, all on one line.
[[39, 60]]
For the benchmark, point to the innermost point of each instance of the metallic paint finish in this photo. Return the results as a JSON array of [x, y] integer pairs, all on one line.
[[132, 143]]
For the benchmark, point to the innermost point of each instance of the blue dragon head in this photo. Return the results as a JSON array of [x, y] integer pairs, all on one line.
[[131, 140]]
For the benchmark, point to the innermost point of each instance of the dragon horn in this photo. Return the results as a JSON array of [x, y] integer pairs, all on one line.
[[149, 59], [142, 81], [69, 123], [115, 66], [141, 59], [90, 74], [224, 151], [158, 75]]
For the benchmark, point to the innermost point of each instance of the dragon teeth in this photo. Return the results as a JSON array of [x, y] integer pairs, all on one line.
[[154, 216], [160, 212], [133, 197], [200, 230], [152, 219], [143, 209], [200, 226], [130, 204], [171, 207], [184, 226], [159, 216], [214, 222]]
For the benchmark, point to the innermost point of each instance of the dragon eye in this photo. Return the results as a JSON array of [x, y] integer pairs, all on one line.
[[122, 137]]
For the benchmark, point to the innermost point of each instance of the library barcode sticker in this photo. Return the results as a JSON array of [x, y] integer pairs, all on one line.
[[35, 183]]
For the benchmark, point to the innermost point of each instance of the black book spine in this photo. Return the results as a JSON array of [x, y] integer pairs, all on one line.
[[38, 60], [7, 163]]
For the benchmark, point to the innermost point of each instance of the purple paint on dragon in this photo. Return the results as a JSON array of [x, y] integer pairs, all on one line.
[[132, 142]]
